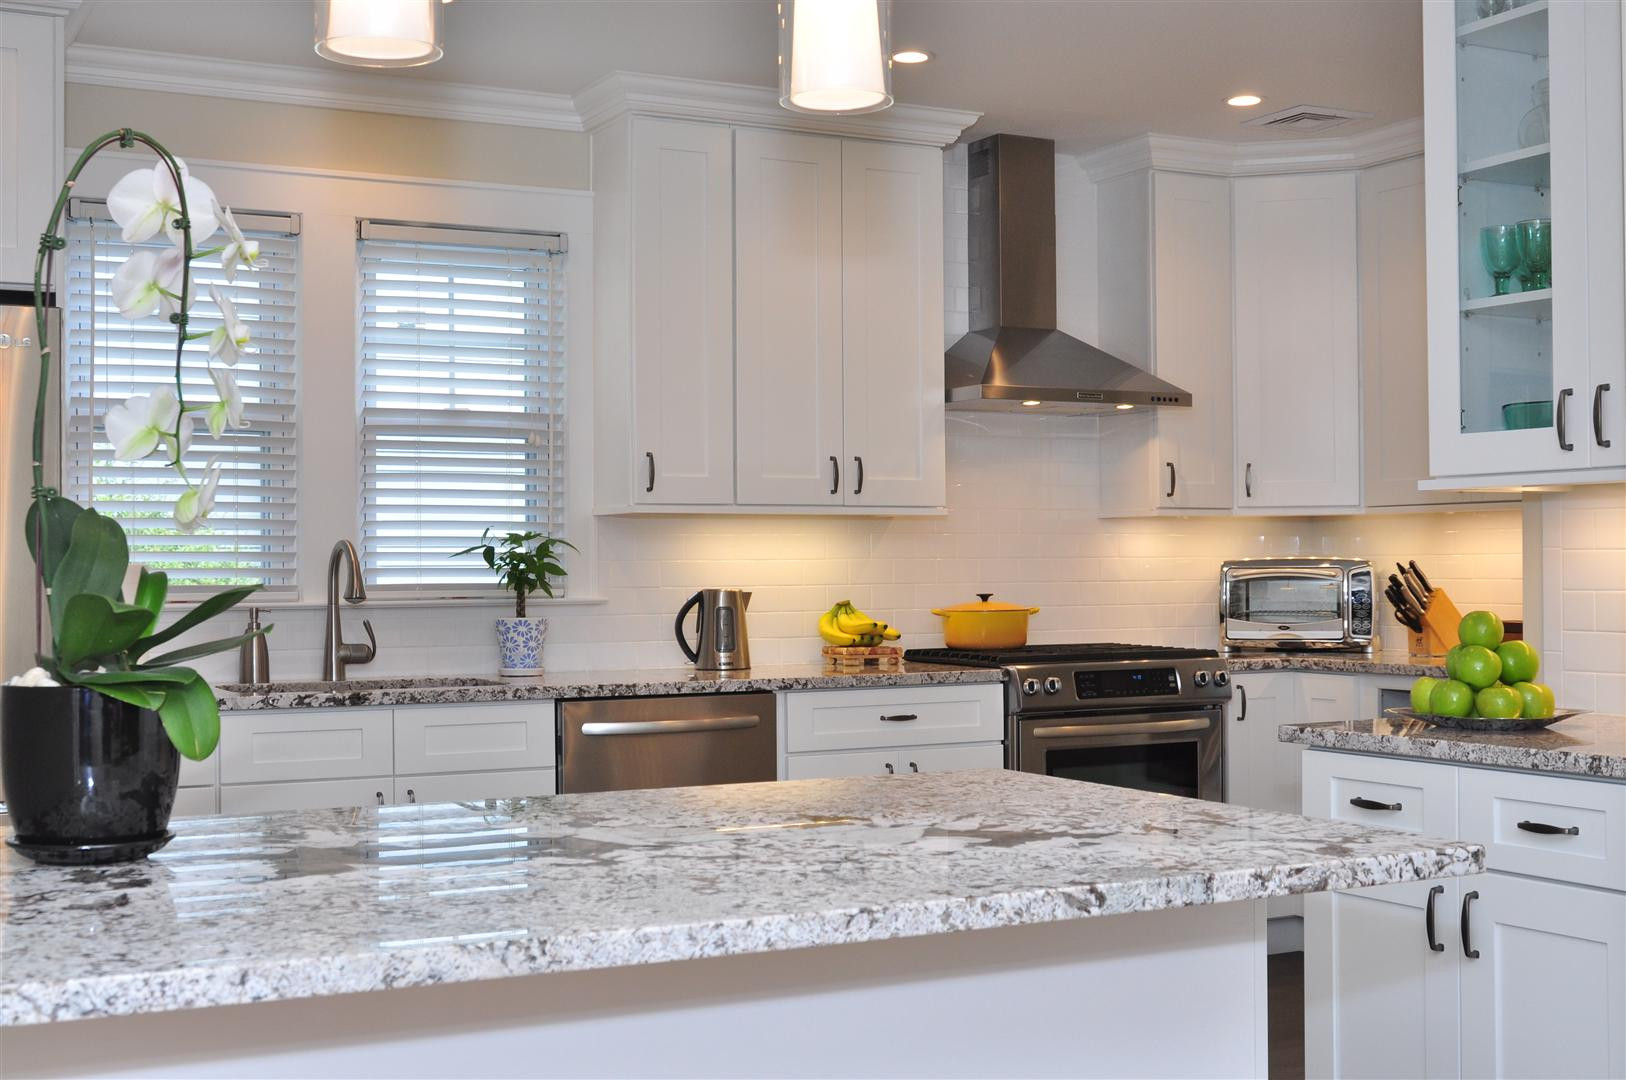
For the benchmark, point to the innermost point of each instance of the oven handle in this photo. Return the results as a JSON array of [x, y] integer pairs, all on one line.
[[1148, 727]]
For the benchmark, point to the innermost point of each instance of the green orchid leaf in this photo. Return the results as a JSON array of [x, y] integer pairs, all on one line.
[[191, 716], [141, 696], [150, 593], [98, 680], [94, 564], [93, 626], [206, 610], [207, 648], [60, 514]]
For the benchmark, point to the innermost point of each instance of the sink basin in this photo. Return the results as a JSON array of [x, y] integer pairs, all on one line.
[[353, 686]]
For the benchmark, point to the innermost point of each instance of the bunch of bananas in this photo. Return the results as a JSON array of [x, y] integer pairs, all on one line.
[[846, 625]]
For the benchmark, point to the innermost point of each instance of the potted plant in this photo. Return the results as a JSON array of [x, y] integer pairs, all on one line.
[[524, 563], [91, 739]]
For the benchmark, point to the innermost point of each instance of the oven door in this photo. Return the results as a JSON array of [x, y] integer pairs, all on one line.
[[1175, 752], [1286, 604]]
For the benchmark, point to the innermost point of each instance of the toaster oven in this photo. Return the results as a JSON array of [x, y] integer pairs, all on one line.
[[1296, 603]]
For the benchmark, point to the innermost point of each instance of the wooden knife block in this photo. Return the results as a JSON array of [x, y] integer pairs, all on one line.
[[1439, 631]]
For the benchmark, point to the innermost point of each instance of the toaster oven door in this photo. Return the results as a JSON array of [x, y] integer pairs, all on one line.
[[1305, 604]]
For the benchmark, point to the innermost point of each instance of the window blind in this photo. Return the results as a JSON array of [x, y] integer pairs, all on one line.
[[462, 398], [249, 538]]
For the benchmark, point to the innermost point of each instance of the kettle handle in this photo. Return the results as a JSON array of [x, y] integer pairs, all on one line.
[[677, 628]]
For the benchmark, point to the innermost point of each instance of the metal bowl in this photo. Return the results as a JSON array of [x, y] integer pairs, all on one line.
[[1485, 724]]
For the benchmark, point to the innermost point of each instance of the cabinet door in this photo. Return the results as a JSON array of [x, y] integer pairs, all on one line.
[[1378, 1001], [306, 744], [892, 324], [896, 762], [1191, 300], [683, 312], [30, 136], [787, 236], [1297, 365], [1546, 996], [1263, 701]]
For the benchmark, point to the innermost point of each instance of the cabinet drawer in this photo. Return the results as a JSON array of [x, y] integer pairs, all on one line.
[[1513, 815], [305, 795], [305, 744], [196, 802], [1411, 795], [200, 773], [901, 761], [894, 716], [467, 738], [475, 787]]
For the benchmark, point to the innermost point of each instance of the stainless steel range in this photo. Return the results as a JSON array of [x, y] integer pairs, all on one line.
[[1140, 716]]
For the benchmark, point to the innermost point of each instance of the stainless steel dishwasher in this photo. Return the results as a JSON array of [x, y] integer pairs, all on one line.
[[617, 744]]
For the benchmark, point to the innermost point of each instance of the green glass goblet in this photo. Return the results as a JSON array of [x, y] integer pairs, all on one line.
[[1499, 245], [1536, 250]]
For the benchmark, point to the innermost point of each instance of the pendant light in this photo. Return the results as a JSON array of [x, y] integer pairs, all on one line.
[[834, 55], [379, 33]]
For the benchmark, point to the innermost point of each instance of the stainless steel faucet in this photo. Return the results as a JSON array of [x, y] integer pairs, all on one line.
[[335, 652]]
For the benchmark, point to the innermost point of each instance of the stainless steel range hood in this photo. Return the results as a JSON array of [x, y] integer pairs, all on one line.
[[1014, 359]]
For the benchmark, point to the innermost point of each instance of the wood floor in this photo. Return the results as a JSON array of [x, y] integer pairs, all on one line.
[[1286, 979]]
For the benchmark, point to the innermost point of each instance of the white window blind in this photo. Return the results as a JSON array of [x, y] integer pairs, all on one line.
[[462, 397], [249, 538]]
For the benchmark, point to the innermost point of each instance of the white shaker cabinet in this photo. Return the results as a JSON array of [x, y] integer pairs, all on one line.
[[31, 65], [1298, 412], [1261, 771]]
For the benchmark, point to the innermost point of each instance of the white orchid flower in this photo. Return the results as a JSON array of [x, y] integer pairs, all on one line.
[[228, 411], [135, 427], [237, 249], [195, 504], [148, 281], [227, 340], [145, 201]]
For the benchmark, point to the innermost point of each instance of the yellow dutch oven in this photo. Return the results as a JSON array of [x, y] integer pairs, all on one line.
[[986, 624]]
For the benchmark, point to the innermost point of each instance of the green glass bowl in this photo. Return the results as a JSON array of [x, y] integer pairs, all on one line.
[[1518, 415]]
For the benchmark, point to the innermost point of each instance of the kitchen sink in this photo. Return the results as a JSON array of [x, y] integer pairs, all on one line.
[[349, 686]]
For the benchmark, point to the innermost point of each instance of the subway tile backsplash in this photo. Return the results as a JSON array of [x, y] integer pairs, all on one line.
[[1583, 539]]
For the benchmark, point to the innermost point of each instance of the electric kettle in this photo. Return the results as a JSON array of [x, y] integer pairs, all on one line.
[[723, 645]]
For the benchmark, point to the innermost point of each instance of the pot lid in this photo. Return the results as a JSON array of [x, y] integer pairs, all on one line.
[[986, 604]]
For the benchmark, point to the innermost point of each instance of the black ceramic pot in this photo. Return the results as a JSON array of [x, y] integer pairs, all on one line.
[[87, 778]]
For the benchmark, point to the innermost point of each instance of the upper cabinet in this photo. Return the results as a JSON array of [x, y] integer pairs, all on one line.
[[31, 66], [1527, 347]]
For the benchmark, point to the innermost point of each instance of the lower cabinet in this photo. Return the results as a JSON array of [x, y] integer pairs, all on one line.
[[472, 787], [1261, 771], [910, 759]]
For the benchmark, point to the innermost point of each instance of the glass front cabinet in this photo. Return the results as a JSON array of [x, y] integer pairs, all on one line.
[[1527, 315]]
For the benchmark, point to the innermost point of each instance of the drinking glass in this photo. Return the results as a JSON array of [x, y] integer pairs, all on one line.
[[1499, 245], [1536, 250]]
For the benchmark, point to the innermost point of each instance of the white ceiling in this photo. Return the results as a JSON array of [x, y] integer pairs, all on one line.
[[1084, 72]]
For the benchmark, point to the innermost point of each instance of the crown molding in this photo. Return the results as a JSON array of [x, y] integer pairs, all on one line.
[[103, 65], [67, 8], [621, 93], [1212, 157]]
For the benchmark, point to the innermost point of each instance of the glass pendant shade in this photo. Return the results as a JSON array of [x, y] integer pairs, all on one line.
[[379, 33], [834, 55]]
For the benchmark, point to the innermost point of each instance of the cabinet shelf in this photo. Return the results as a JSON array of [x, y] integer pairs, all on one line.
[[1536, 304], [1522, 30], [1530, 167]]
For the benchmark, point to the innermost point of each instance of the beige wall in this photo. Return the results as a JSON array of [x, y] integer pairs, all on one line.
[[223, 129]]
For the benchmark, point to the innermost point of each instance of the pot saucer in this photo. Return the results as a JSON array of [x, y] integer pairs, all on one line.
[[89, 854]]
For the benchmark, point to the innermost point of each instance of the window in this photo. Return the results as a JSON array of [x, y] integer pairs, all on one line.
[[461, 397], [250, 536]]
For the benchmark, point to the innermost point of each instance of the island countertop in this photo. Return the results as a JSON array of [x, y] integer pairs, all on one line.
[[1591, 744], [315, 903]]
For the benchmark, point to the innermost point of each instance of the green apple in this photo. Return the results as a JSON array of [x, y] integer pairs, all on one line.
[[1452, 656], [1480, 628], [1519, 661], [1499, 702], [1451, 698], [1478, 666], [1420, 690], [1536, 700]]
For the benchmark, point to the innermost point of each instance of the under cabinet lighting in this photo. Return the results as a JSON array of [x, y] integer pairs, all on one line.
[[1033, 402], [1121, 408], [1244, 101], [379, 33], [911, 56], [833, 55]]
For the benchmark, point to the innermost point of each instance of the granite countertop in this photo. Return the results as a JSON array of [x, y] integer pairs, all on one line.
[[1344, 663], [1592, 744], [315, 903], [586, 684]]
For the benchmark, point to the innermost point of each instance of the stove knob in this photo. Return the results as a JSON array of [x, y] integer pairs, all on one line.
[[1201, 678], [1052, 685], [1222, 678], [1030, 686]]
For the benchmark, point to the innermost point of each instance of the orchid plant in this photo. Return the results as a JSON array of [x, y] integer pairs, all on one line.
[[101, 639]]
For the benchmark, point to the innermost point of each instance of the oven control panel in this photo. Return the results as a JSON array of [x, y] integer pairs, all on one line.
[[1049, 688], [1124, 683]]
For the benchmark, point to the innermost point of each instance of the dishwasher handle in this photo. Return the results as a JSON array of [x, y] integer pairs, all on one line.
[[670, 727]]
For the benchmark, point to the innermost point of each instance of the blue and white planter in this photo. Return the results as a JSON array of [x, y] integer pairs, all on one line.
[[521, 644]]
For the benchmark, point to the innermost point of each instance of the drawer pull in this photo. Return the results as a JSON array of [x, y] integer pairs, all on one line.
[[379, 795], [1545, 829], [1428, 919], [1373, 804], [1468, 949], [890, 770], [412, 796], [913, 767], [898, 718]]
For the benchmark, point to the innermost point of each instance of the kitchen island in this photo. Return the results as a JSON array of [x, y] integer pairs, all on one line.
[[983, 922]]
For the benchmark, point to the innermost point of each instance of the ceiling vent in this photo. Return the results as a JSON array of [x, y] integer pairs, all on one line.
[[1306, 119]]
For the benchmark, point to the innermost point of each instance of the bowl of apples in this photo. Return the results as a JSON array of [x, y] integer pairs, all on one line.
[[1489, 685]]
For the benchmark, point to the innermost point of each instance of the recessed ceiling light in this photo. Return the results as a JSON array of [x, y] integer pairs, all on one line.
[[1244, 101], [911, 56], [1032, 402]]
